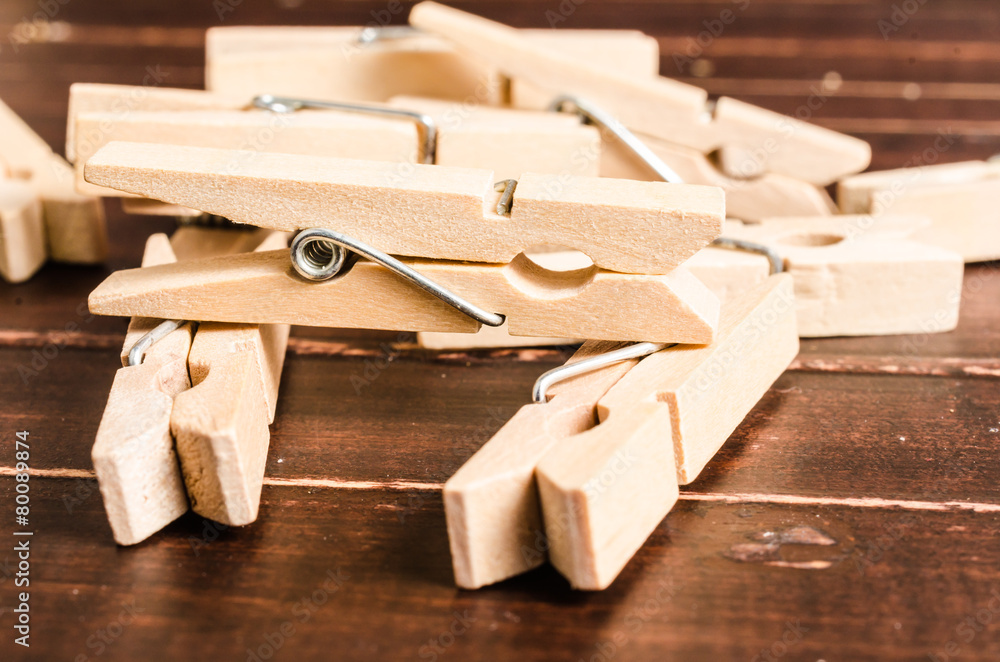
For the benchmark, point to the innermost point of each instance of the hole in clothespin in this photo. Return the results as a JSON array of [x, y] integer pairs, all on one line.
[[540, 282], [814, 239], [558, 258]]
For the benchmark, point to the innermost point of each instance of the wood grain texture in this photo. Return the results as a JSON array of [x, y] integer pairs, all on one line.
[[751, 199], [437, 212], [959, 198], [133, 453], [74, 224], [22, 231], [822, 449], [750, 140], [495, 527], [345, 135], [508, 142], [536, 302], [853, 278], [710, 389], [330, 63], [845, 597], [604, 490]]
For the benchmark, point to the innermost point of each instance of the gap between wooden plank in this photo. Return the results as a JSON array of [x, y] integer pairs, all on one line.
[[875, 365], [773, 499]]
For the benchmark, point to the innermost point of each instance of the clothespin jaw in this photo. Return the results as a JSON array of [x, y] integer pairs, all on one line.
[[134, 454], [960, 200], [167, 437], [749, 140], [602, 489], [854, 275], [494, 519]]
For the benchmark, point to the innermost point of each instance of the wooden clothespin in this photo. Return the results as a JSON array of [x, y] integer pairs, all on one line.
[[22, 231], [960, 199], [407, 130], [602, 488], [641, 230], [854, 275], [767, 195], [63, 225], [375, 64], [748, 140], [220, 425]]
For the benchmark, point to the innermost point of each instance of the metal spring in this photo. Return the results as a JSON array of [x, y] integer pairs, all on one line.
[[320, 254]]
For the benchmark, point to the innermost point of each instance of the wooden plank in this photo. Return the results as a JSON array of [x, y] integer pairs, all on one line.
[[323, 429], [373, 578]]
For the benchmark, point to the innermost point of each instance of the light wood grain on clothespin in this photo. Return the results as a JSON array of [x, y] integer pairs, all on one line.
[[854, 274], [491, 504], [346, 135], [960, 199], [629, 53], [435, 211], [221, 423], [22, 231], [603, 491], [749, 140], [75, 229], [764, 196], [509, 142], [332, 63], [672, 308], [133, 454]]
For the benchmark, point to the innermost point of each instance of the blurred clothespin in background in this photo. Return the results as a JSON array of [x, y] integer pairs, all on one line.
[[41, 216], [961, 200]]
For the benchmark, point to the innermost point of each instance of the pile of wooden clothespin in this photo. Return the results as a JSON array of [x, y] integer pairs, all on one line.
[[41, 216], [543, 185]]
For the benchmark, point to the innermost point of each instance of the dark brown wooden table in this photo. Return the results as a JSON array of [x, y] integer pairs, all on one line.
[[888, 446]]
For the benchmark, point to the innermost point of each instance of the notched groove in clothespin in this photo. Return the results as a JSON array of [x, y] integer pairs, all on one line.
[[506, 187]]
